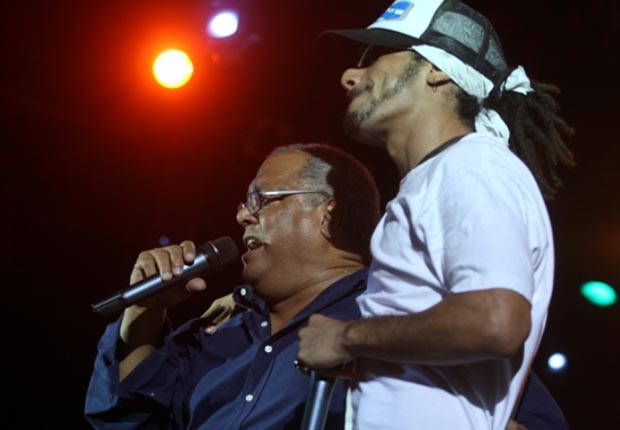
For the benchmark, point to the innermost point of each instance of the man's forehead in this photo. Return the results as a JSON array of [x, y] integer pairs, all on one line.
[[279, 170]]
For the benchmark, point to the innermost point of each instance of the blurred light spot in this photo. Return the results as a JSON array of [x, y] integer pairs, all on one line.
[[223, 24], [599, 293], [557, 362], [164, 241], [173, 68]]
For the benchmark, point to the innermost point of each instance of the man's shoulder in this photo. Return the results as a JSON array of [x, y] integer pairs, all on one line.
[[476, 149], [340, 299]]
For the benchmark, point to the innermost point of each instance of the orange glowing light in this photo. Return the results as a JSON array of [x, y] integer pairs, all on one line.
[[172, 68]]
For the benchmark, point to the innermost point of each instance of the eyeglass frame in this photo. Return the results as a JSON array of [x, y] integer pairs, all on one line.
[[371, 53], [263, 201]]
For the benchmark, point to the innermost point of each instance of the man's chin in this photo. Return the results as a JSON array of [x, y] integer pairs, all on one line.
[[354, 130], [247, 276], [351, 124]]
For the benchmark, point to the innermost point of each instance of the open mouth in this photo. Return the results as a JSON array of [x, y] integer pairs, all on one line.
[[252, 242]]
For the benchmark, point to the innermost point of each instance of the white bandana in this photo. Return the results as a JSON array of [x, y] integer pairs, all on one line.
[[477, 85]]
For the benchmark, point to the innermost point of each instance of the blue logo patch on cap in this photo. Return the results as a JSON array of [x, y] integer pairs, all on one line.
[[397, 10]]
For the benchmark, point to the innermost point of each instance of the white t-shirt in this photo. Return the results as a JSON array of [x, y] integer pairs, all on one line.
[[469, 218]]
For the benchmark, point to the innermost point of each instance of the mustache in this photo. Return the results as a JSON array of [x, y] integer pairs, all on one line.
[[356, 92]]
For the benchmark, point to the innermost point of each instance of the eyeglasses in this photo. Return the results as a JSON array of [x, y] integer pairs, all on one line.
[[371, 53], [256, 200]]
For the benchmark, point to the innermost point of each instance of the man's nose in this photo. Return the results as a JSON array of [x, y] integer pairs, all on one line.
[[244, 217], [351, 78]]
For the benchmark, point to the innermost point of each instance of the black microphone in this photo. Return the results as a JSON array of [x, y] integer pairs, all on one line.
[[210, 257], [317, 404]]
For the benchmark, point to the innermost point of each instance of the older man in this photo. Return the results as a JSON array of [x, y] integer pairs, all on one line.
[[306, 221]]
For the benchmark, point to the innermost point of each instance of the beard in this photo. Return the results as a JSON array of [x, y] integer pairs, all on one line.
[[353, 122]]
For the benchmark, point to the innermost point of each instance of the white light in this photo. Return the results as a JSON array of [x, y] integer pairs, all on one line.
[[557, 362], [223, 24]]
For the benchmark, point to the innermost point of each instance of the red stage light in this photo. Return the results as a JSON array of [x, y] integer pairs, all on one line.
[[173, 68]]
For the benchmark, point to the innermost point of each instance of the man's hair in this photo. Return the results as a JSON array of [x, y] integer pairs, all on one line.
[[537, 133], [357, 209]]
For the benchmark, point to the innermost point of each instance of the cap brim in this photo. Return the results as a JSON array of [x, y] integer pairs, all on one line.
[[375, 36]]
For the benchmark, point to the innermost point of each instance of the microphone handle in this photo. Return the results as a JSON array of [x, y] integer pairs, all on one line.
[[146, 288], [317, 404]]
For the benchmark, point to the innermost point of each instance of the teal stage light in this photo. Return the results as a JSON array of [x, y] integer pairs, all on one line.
[[599, 293]]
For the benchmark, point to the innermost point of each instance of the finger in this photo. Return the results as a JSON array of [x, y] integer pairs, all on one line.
[[144, 267], [189, 251], [211, 329], [218, 319], [302, 367], [137, 274], [195, 285], [222, 317], [215, 315], [162, 260], [213, 312], [317, 319], [176, 259]]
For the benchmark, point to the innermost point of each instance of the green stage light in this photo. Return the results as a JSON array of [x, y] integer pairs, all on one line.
[[599, 293]]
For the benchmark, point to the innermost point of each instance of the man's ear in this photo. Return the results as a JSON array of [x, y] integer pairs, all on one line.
[[327, 219], [435, 78]]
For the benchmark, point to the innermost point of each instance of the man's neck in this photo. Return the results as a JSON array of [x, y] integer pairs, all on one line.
[[284, 310], [407, 146]]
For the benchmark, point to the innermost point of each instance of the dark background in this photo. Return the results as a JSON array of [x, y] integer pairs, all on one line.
[[99, 162]]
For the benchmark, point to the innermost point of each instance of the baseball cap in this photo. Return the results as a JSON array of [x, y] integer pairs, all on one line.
[[449, 25]]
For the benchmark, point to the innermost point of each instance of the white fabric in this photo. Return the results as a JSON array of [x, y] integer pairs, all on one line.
[[518, 82], [469, 79], [348, 412], [473, 83], [413, 18], [470, 218], [491, 122], [477, 85], [408, 17]]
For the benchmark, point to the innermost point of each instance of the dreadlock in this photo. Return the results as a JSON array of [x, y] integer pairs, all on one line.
[[537, 134]]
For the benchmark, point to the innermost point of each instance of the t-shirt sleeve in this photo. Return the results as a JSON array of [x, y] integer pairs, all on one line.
[[479, 238]]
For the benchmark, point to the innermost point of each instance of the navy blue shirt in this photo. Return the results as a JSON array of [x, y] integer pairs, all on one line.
[[241, 377]]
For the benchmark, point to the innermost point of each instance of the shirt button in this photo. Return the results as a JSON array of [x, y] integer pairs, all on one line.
[[264, 324], [268, 349], [249, 398], [243, 291]]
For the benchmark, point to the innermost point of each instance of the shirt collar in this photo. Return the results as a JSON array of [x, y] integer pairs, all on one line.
[[245, 296]]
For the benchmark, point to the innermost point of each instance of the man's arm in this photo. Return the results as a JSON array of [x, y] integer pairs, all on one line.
[[463, 328], [141, 328]]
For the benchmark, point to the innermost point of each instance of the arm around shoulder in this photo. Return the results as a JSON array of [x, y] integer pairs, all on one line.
[[463, 328]]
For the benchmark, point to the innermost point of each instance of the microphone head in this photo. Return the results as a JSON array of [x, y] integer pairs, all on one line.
[[224, 250]]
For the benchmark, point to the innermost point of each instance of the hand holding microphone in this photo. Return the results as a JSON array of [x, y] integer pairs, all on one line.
[[169, 269], [323, 357]]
